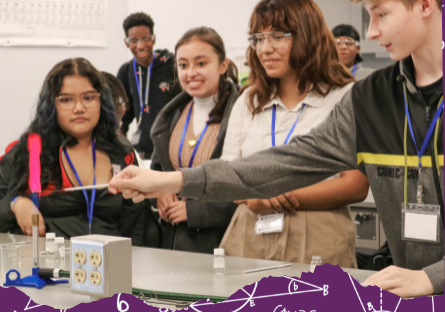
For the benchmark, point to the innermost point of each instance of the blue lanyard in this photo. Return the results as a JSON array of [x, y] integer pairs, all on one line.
[[428, 134], [274, 116], [141, 96], [90, 204], [354, 70], [183, 138]]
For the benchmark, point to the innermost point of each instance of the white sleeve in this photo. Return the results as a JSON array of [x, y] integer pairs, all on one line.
[[232, 142]]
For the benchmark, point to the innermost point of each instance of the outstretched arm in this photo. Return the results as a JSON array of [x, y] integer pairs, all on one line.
[[326, 150]]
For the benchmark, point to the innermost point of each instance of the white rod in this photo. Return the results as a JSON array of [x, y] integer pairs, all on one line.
[[268, 268], [89, 187]]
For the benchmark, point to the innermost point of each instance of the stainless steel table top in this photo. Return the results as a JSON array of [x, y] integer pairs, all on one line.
[[167, 271]]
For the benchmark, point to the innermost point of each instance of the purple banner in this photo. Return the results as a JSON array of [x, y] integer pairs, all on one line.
[[329, 288]]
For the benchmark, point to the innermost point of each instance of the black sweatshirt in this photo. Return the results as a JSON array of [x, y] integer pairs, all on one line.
[[66, 215], [161, 91]]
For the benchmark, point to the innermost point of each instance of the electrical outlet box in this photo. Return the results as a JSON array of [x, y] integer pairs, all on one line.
[[107, 265]]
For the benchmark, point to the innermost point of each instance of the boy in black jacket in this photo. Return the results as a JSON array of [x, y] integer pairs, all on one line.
[[148, 80]]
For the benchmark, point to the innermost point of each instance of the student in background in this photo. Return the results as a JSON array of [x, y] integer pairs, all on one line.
[[368, 130], [294, 87], [190, 130], [75, 119], [348, 48], [147, 79], [120, 98]]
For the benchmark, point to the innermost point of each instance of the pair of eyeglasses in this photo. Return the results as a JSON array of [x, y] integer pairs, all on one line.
[[68, 101], [348, 42], [276, 39], [135, 41]]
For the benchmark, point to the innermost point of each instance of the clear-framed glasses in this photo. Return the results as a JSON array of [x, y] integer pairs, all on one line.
[[347, 41], [135, 41], [68, 101], [276, 39]]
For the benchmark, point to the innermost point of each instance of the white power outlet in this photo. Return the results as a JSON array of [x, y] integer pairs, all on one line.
[[108, 268], [80, 276], [95, 259], [80, 257], [95, 278]]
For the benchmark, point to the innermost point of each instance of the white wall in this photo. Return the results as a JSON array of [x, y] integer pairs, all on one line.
[[230, 19], [23, 69], [174, 17], [337, 12]]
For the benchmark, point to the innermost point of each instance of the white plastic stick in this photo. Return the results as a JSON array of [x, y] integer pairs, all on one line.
[[268, 268], [88, 187]]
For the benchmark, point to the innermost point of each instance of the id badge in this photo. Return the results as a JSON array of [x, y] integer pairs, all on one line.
[[421, 223], [116, 169], [136, 137], [272, 223]]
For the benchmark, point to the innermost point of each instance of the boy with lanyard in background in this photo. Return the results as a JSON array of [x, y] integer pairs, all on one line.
[[147, 79], [348, 48], [389, 126]]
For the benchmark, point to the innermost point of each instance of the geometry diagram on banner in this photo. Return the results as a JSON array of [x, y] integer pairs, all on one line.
[[251, 295], [374, 299]]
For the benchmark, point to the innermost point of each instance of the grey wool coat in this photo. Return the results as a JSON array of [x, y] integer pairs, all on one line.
[[206, 222]]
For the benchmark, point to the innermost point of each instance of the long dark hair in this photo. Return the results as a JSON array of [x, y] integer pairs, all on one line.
[[45, 124], [210, 36], [313, 56]]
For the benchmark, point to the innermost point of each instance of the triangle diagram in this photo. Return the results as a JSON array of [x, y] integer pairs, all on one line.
[[32, 307]]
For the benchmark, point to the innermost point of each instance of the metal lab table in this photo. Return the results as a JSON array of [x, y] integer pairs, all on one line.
[[167, 271]]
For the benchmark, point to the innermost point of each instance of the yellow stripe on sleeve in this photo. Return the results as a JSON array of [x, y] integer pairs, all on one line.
[[395, 160]]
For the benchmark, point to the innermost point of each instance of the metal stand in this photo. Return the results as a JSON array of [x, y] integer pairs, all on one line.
[[34, 280]]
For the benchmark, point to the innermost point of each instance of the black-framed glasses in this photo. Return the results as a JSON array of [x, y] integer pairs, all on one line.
[[276, 39], [135, 41], [68, 101]]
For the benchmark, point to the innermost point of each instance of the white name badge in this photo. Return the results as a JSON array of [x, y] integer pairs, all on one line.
[[116, 170], [421, 223], [272, 223]]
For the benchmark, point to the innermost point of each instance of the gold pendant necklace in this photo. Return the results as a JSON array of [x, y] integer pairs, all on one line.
[[192, 143]]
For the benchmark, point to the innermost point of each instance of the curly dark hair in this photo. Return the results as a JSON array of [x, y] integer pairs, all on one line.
[[45, 124], [138, 19]]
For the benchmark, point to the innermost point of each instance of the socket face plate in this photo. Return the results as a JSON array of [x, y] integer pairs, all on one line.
[[89, 247]]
